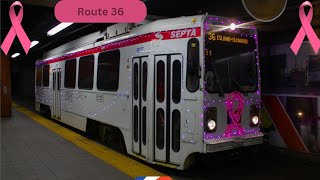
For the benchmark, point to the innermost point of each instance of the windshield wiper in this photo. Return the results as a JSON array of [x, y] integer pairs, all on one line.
[[221, 93], [239, 86]]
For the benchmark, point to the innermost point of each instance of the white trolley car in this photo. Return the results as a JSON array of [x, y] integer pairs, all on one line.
[[160, 87]]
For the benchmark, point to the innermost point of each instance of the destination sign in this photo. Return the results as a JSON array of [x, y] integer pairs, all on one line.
[[211, 36]]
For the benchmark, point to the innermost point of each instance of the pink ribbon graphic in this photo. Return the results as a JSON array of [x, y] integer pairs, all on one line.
[[235, 115], [306, 29], [16, 29]]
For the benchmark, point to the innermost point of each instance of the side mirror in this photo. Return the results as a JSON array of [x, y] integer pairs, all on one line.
[[193, 57]]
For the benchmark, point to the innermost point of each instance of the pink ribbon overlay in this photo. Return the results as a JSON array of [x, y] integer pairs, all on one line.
[[235, 115], [16, 30], [305, 30]]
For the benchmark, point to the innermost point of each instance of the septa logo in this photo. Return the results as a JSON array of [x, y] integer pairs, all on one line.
[[159, 35], [183, 33], [177, 34]]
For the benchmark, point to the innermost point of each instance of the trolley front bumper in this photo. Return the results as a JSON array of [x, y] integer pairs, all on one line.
[[222, 144]]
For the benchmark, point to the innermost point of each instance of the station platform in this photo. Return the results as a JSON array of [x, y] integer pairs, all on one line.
[[34, 147]]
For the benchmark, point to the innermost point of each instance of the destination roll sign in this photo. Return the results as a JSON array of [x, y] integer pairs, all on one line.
[[230, 37]]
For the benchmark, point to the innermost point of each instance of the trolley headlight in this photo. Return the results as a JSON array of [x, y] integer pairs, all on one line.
[[210, 120], [254, 116], [212, 124], [255, 120]]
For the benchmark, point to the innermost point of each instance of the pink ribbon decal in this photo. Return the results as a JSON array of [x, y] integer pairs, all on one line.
[[16, 29], [235, 115], [305, 30]]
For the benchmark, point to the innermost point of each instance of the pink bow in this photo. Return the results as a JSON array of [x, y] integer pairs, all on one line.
[[235, 115], [16, 29], [305, 30]]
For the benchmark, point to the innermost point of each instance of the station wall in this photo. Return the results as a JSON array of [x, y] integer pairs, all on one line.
[[295, 81]]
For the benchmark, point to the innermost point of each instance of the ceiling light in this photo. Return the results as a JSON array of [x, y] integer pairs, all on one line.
[[15, 55], [33, 43], [58, 28]]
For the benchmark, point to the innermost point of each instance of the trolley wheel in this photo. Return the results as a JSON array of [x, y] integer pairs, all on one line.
[[190, 161], [113, 138]]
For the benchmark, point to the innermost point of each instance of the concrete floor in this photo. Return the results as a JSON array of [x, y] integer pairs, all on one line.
[[31, 151]]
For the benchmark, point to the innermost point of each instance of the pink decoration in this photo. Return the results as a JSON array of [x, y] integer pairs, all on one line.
[[16, 30], [305, 30], [235, 115]]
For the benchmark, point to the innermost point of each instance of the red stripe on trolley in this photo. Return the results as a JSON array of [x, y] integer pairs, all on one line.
[[283, 123], [161, 35]]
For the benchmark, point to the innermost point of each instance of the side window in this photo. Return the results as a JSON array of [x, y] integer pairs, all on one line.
[[70, 73], [86, 68], [144, 80], [176, 81], [160, 129], [193, 65], [135, 81], [46, 69], [108, 71], [39, 76], [175, 130], [160, 81], [144, 125], [135, 123]]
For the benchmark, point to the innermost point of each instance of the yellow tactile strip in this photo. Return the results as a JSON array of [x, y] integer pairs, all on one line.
[[125, 164]]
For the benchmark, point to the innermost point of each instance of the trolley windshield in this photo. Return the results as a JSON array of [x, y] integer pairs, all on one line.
[[230, 62]]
